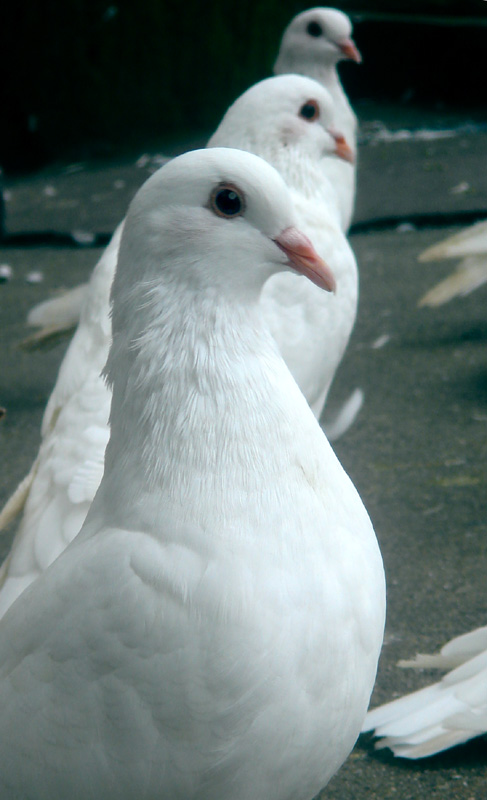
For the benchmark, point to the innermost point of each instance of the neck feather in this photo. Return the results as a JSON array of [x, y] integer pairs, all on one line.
[[203, 405]]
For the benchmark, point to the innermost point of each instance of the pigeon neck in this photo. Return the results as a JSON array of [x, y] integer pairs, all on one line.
[[327, 75], [203, 405], [323, 72]]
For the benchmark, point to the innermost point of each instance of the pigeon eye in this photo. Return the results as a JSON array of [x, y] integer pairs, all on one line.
[[314, 29], [227, 201], [310, 111]]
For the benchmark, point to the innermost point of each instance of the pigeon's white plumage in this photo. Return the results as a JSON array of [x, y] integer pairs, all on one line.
[[444, 714], [57, 494], [313, 44], [471, 246], [311, 327], [214, 629]]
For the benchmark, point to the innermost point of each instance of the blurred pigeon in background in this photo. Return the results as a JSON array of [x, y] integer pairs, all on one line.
[[313, 44]]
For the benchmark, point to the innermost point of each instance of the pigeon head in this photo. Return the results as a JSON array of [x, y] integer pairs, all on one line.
[[288, 111], [217, 219], [316, 38]]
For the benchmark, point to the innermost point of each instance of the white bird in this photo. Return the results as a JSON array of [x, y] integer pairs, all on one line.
[[471, 246], [444, 714], [214, 629], [313, 44], [311, 327], [287, 120]]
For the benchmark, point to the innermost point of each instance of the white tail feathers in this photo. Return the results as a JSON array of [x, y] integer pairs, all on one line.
[[469, 275], [55, 317], [469, 245], [346, 416], [470, 241], [444, 714]]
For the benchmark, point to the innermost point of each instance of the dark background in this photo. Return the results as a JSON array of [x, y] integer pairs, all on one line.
[[95, 79]]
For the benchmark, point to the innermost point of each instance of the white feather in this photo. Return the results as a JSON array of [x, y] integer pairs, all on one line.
[[471, 246], [444, 714], [59, 315]]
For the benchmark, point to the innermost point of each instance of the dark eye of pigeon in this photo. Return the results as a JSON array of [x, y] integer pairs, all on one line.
[[227, 201], [314, 29], [310, 111]]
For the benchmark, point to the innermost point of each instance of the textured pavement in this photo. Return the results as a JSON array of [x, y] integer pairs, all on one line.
[[417, 452]]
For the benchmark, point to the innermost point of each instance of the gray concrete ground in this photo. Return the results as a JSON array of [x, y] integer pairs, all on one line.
[[417, 452]]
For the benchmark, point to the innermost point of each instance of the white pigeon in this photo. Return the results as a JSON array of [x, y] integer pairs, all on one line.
[[471, 246], [214, 629], [313, 44], [444, 714], [286, 120], [312, 329]]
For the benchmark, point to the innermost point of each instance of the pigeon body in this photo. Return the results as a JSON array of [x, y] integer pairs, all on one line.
[[444, 714], [470, 245], [314, 42], [214, 629], [311, 327]]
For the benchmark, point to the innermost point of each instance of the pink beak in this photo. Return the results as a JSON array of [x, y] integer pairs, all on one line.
[[349, 50], [342, 148], [304, 258]]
